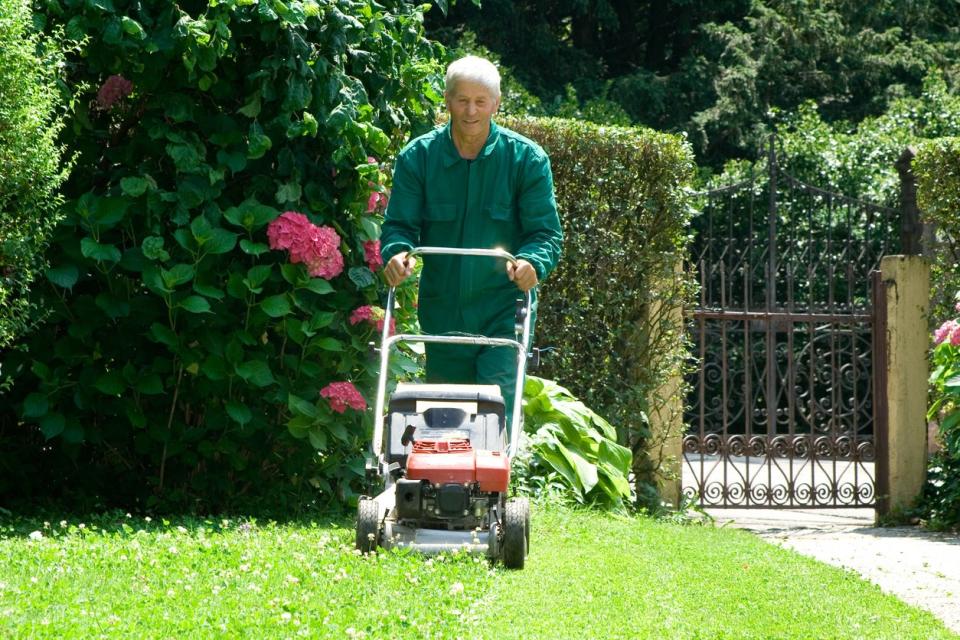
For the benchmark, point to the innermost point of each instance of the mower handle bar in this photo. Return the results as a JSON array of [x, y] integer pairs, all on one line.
[[387, 341]]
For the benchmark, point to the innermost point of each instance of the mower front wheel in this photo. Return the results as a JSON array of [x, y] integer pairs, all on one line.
[[516, 516], [368, 525]]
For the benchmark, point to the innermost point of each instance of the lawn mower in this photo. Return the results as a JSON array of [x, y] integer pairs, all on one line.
[[441, 453]]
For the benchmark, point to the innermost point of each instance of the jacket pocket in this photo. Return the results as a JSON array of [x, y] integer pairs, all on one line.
[[441, 212], [500, 212]]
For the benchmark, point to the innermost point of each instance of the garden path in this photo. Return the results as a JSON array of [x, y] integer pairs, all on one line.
[[920, 567]]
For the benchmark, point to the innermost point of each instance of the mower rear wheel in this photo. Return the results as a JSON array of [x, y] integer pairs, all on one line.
[[368, 525], [515, 517], [524, 506]]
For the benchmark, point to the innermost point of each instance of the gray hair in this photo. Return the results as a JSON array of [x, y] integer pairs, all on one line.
[[473, 69]]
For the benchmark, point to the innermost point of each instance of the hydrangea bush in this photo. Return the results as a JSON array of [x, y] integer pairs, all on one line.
[[942, 496], [220, 239]]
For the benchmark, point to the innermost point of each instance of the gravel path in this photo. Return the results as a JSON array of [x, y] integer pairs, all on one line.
[[920, 567]]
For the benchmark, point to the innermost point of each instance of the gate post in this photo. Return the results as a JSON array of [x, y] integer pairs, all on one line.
[[902, 467]]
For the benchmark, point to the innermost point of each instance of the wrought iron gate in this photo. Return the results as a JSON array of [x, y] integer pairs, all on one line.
[[783, 409]]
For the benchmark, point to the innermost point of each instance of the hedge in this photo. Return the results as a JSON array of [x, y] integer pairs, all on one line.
[[937, 167], [608, 310]]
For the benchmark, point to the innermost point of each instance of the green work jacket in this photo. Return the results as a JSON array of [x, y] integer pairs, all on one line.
[[503, 199]]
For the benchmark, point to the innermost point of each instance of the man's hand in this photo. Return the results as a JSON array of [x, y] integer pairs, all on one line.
[[522, 274], [399, 268]]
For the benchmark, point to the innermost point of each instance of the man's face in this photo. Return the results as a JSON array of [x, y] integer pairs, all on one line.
[[471, 105]]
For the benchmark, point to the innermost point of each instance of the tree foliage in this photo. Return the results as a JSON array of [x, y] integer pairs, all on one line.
[[198, 348], [715, 70], [30, 161]]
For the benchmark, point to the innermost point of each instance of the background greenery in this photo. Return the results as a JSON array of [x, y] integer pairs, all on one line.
[[31, 171]]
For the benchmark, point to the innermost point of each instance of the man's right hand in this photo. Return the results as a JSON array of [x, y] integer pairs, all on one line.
[[399, 268]]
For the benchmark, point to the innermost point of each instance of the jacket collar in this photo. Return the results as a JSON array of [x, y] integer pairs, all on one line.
[[452, 156]]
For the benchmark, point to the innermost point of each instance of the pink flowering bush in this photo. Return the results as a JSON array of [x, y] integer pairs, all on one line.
[[316, 247], [343, 395], [942, 494]]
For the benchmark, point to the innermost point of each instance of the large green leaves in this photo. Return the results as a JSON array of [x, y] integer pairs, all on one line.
[[576, 443]]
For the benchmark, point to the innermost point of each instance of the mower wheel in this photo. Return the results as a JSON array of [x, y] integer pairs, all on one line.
[[515, 533], [368, 525], [524, 506]]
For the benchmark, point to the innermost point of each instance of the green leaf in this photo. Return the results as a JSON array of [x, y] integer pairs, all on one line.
[[150, 384], [301, 407], [295, 274], [134, 187], [35, 405], [251, 215], [256, 372], [52, 425], [163, 335], [152, 247], [276, 306], [133, 28], [329, 344], [252, 108], [289, 192], [110, 383], [208, 291], [318, 439], [195, 304], [362, 277], [65, 276], [220, 241], [371, 227], [239, 412], [256, 276], [92, 249], [258, 143], [113, 306], [319, 286], [339, 431], [177, 275], [253, 248]]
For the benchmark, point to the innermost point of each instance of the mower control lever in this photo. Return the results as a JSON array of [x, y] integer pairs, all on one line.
[[407, 437]]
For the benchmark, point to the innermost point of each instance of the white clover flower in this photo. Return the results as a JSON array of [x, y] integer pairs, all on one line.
[[456, 588], [36, 535]]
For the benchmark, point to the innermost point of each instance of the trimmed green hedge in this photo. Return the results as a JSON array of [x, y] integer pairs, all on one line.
[[606, 310], [937, 167]]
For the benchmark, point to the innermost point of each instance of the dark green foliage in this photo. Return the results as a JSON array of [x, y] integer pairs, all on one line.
[[607, 309], [937, 166], [30, 161], [715, 69], [184, 358]]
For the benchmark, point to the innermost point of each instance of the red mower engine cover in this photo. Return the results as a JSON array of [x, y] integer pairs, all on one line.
[[442, 462]]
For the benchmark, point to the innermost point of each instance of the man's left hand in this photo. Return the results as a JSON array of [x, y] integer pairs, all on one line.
[[522, 274]]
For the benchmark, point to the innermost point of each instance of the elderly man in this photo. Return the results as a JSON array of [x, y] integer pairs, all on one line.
[[472, 184]]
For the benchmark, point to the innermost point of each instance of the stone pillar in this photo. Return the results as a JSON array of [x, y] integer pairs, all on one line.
[[666, 402], [907, 293]]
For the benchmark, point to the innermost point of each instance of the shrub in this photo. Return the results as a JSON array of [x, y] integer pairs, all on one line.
[[201, 347], [30, 161], [609, 308], [941, 501], [937, 166]]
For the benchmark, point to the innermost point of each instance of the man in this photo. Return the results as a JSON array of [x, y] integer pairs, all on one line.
[[472, 184]]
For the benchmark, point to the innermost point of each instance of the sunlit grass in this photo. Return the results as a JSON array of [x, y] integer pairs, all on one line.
[[588, 576]]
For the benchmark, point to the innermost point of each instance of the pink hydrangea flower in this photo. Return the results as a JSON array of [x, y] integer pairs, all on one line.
[[342, 395], [316, 247], [947, 331], [373, 316], [371, 160], [377, 202], [371, 253], [955, 336], [957, 307], [114, 88]]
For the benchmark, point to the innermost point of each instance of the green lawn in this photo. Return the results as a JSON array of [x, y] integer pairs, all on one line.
[[588, 576]]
